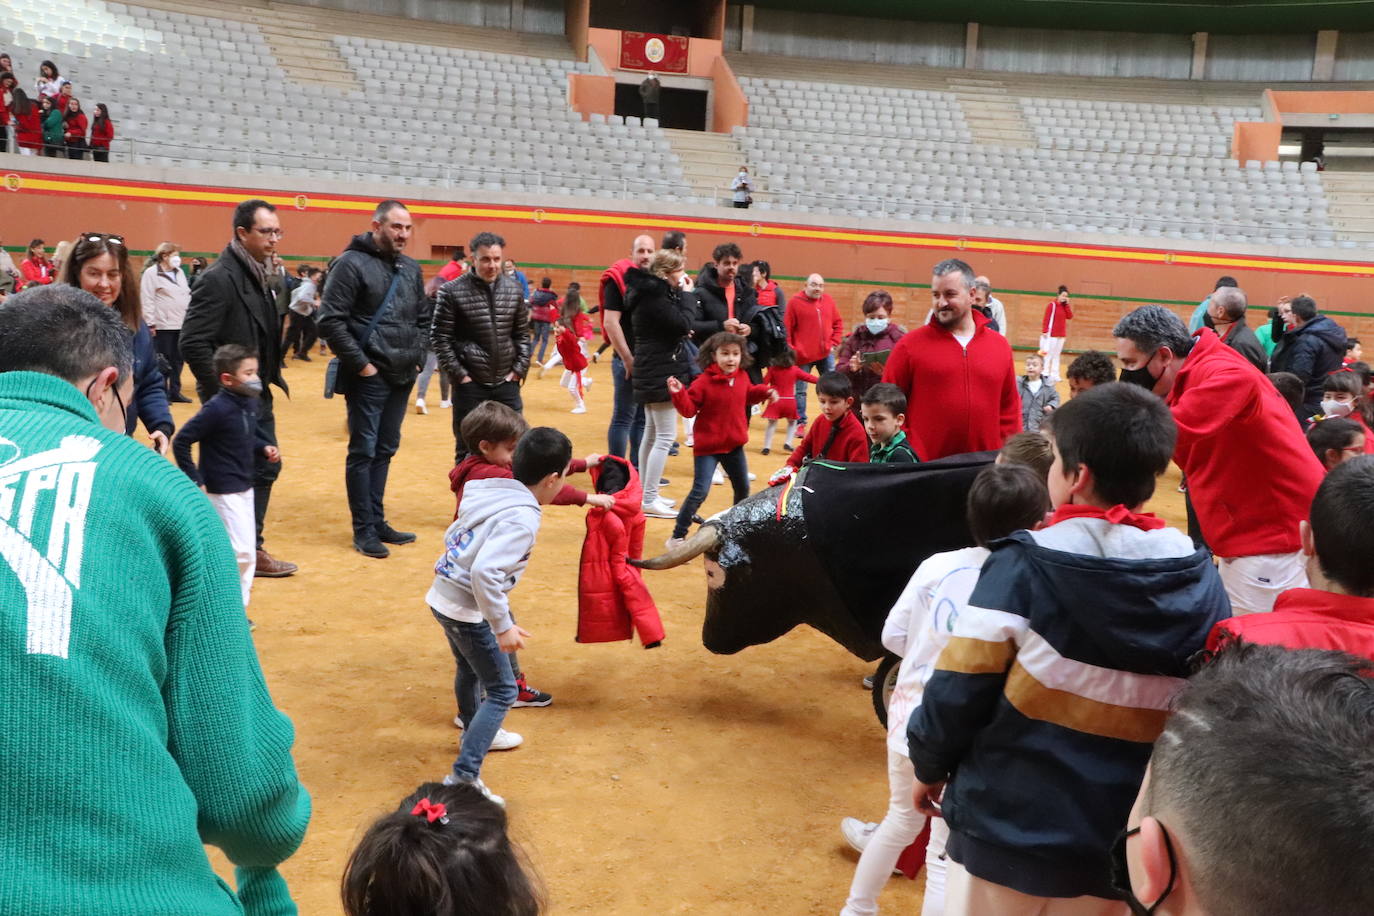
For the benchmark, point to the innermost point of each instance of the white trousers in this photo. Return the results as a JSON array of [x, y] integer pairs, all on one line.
[[899, 829], [1053, 347], [1252, 583], [660, 424], [236, 511], [937, 869], [969, 896]]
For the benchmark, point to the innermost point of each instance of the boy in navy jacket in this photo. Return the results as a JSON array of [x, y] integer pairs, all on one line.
[[1038, 722], [227, 430]]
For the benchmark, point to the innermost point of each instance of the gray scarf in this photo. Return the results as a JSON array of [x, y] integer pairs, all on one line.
[[256, 267]]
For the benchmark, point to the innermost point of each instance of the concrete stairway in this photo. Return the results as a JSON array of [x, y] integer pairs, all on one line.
[[1350, 204], [992, 113], [709, 162]]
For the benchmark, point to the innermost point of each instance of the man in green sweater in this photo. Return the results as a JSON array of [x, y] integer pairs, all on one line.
[[135, 721]]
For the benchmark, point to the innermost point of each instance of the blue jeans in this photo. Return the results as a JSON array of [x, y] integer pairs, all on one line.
[[481, 666], [704, 468], [627, 417], [375, 411], [824, 365], [541, 338], [422, 383]]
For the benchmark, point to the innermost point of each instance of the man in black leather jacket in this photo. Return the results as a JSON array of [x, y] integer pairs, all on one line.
[[481, 334], [374, 315], [230, 304]]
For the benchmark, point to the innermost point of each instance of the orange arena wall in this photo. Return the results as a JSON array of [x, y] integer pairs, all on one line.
[[565, 243]]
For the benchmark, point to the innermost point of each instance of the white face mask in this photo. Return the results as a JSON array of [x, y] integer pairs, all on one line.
[[174, 262], [1336, 408], [875, 325]]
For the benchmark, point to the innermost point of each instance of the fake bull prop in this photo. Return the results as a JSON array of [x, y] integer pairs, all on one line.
[[833, 548]]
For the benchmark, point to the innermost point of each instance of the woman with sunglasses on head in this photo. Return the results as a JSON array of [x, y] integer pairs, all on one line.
[[99, 264]]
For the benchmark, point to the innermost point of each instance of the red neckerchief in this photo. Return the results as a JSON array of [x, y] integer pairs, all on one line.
[[1117, 515]]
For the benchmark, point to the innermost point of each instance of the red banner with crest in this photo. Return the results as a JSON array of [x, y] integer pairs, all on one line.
[[647, 51]]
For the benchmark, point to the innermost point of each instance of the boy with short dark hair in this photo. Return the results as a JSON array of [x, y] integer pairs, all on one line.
[[838, 434], [227, 430], [1044, 704], [1089, 369], [1353, 352], [485, 553], [884, 410], [1290, 386], [1338, 611]]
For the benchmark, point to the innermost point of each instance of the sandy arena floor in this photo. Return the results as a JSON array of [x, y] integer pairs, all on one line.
[[661, 781]]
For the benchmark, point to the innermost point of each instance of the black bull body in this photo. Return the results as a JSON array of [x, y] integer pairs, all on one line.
[[832, 548]]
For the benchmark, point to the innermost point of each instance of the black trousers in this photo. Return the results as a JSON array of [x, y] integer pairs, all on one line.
[[100, 155], [651, 110], [301, 334], [467, 397], [76, 149], [168, 343], [264, 472]]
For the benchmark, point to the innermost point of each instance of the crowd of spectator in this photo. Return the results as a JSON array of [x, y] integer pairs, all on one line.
[[49, 120]]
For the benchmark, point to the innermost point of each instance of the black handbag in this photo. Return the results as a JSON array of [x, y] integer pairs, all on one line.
[[333, 383]]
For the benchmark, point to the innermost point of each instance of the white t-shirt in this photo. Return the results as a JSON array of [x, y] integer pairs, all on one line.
[[1034, 385], [920, 625], [963, 339]]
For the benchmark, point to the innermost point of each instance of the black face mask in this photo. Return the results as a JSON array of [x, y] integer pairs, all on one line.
[[1121, 875], [1208, 321], [1142, 376]]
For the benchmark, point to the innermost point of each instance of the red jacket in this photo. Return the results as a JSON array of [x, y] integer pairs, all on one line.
[[616, 274], [813, 327], [958, 400], [28, 131], [74, 127], [612, 600], [475, 467], [569, 347], [1057, 315], [102, 134], [850, 445], [36, 273], [718, 401], [1234, 430], [768, 296], [1306, 618]]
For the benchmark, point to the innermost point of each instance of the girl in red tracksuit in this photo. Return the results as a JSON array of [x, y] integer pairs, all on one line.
[[783, 377], [569, 345], [719, 399]]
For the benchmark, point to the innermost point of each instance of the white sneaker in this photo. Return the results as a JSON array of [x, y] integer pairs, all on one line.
[[857, 833], [458, 722], [718, 478], [445, 404], [506, 741], [690, 442], [420, 407], [659, 509], [753, 476], [451, 780], [578, 409]]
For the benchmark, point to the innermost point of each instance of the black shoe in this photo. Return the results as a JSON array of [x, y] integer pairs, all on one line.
[[786, 447], [304, 357], [663, 481], [389, 535], [698, 520], [178, 399], [674, 451], [767, 450], [369, 546]]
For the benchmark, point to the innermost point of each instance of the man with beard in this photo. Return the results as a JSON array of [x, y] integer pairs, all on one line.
[[627, 417], [957, 373]]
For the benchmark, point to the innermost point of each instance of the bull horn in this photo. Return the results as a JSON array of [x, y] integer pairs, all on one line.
[[706, 537]]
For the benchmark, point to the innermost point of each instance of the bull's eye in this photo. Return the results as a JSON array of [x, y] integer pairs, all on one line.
[[715, 575]]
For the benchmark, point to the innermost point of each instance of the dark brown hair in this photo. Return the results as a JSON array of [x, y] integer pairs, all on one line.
[[1005, 498], [878, 299], [91, 245], [707, 357], [460, 863], [491, 421]]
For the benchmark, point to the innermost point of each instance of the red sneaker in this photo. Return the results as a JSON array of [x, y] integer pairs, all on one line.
[[530, 696]]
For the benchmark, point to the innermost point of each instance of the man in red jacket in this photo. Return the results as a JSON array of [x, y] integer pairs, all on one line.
[[1338, 611], [1250, 478], [957, 374], [814, 330]]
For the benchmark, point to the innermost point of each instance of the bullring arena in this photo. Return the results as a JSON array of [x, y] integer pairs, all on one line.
[[1133, 160]]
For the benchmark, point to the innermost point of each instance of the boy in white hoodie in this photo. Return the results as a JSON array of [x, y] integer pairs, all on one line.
[[485, 551]]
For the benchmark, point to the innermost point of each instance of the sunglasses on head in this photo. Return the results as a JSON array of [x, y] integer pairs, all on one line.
[[98, 237]]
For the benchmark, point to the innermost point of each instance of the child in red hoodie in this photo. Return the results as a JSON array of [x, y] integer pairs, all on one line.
[[838, 435], [719, 399], [1338, 611], [490, 433]]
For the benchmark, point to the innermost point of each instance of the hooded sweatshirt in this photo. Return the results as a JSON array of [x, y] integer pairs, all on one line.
[[1048, 696], [485, 552]]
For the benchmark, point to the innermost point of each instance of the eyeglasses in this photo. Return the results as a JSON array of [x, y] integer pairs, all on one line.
[[1121, 874], [98, 237], [269, 233]]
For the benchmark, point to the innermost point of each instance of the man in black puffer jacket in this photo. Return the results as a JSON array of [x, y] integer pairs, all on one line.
[[481, 334], [377, 369], [1311, 351]]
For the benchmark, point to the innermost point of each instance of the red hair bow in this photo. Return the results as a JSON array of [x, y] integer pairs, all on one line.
[[430, 811]]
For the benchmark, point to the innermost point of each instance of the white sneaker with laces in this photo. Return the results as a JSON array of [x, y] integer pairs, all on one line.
[[659, 509], [857, 833], [506, 741], [451, 780], [420, 407], [445, 404], [718, 478], [578, 409]]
